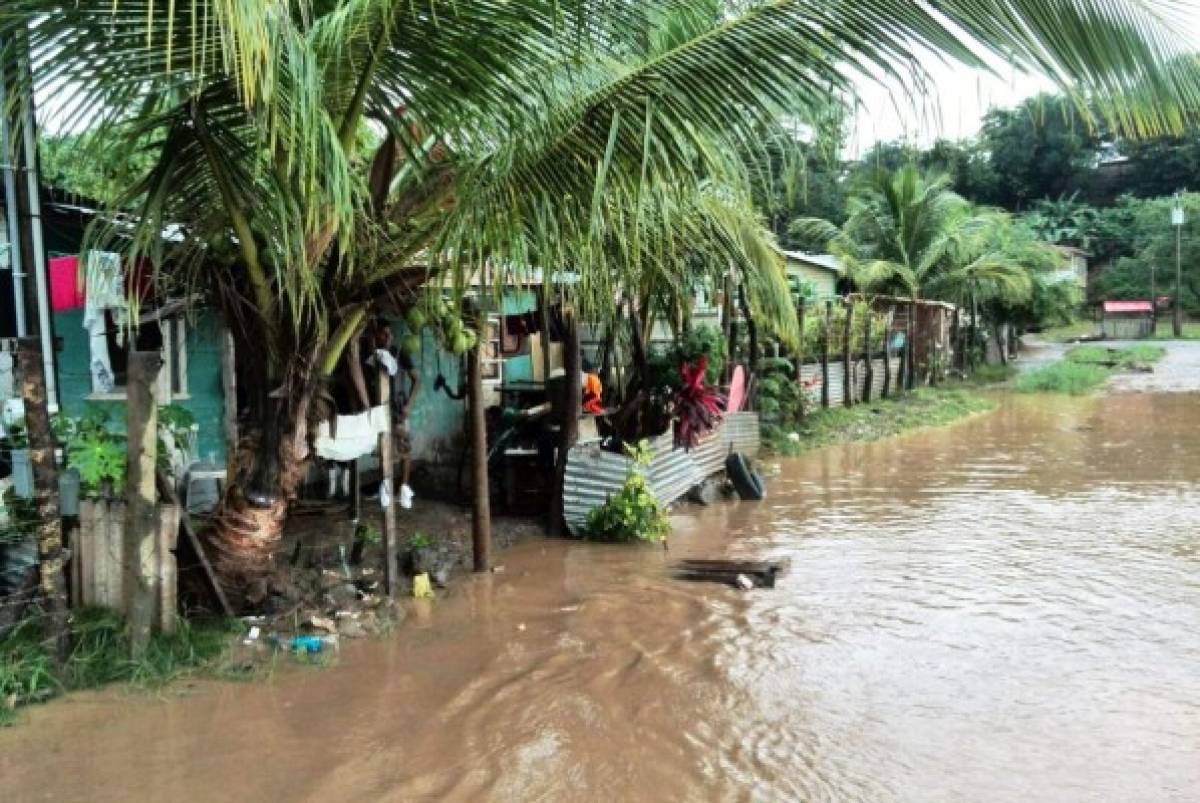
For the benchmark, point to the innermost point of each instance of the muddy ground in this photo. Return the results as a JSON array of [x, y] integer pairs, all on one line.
[[327, 588]]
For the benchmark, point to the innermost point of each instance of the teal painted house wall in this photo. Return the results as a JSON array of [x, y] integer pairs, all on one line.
[[436, 427], [205, 399]]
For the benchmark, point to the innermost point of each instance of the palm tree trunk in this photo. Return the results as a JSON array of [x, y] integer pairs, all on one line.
[[268, 465]]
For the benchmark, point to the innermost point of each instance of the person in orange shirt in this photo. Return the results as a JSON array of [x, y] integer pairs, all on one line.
[[593, 390]]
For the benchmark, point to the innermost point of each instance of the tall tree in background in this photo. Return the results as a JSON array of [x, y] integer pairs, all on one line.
[[1038, 149], [530, 133]]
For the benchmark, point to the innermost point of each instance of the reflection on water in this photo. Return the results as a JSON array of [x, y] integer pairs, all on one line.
[[1004, 610]]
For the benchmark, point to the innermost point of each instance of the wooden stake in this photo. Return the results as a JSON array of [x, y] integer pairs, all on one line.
[[752, 331], [870, 371], [481, 518], [572, 409], [387, 463], [887, 357], [140, 580], [800, 360], [910, 347], [45, 483], [825, 356], [229, 389], [847, 357]]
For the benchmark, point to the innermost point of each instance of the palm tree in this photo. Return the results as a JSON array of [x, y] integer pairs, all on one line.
[[909, 235], [322, 158]]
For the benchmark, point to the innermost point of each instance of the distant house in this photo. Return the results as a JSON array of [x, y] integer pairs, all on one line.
[[1126, 319], [1076, 268], [820, 271]]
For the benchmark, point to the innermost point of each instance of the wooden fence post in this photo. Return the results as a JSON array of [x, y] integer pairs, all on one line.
[[481, 512], [847, 356], [571, 410], [887, 357], [753, 358], [867, 355], [45, 484], [140, 591], [229, 391], [910, 347], [387, 465], [825, 355], [800, 360]]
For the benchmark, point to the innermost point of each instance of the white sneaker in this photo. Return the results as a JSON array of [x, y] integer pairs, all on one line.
[[406, 496]]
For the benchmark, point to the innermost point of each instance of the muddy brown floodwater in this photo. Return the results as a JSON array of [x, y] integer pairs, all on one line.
[[1006, 610]]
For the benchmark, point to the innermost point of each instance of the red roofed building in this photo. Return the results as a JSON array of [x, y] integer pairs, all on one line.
[[1127, 320]]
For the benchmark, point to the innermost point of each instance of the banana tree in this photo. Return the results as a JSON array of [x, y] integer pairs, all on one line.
[[530, 133]]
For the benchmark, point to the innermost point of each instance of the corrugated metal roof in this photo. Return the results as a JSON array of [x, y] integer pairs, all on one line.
[[827, 261], [1128, 306]]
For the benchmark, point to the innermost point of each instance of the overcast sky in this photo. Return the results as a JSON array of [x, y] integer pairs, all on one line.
[[953, 108], [954, 105]]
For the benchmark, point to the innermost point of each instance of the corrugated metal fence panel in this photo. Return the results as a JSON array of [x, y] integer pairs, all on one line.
[[740, 434], [709, 454], [593, 474], [811, 374], [672, 472]]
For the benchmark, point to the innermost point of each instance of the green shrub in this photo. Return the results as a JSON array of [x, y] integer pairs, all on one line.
[[991, 374], [633, 513], [1072, 378], [702, 341]]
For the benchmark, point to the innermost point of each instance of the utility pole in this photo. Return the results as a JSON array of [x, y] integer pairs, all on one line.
[[1153, 298], [1177, 221]]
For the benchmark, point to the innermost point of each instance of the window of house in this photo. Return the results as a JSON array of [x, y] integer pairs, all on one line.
[[109, 357]]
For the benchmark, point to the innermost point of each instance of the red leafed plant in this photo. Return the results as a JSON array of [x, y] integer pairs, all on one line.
[[696, 406]]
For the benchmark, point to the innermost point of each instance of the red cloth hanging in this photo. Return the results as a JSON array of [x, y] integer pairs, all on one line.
[[66, 285]]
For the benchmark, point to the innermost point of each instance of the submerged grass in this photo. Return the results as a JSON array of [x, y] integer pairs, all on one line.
[[1116, 358], [926, 407], [1071, 378], [100, 655], [1087, 368]]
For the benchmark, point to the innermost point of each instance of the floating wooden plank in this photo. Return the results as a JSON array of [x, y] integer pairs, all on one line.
[[762, 572]]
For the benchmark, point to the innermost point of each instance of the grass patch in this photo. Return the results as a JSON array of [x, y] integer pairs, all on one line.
[[100, 655], [1071, 378], [1116, 358], [926, 407]]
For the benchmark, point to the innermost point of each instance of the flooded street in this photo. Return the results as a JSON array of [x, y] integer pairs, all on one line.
[[1004, 610]]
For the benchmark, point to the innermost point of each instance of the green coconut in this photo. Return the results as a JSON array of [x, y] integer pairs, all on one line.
[[415, 319], [411, 345], [461, 343]]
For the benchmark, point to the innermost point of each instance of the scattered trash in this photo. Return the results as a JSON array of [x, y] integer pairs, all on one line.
[[252, 636], [322, 623], [421, 586], [521, 626], [309, 645], [744, 582], [794, 437], [441, 577], [498, 569]]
